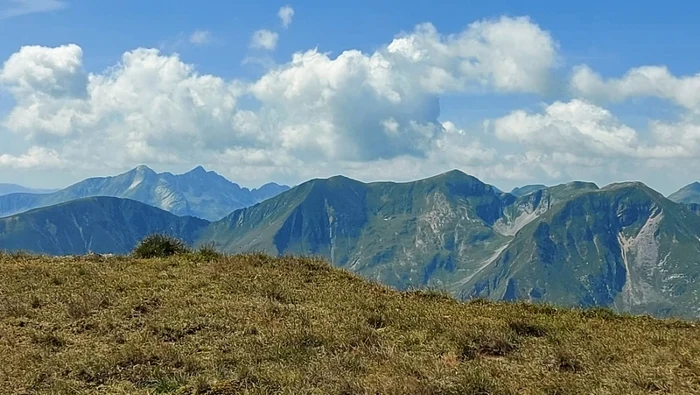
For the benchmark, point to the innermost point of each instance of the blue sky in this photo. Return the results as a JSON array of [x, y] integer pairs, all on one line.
[[610, 38]]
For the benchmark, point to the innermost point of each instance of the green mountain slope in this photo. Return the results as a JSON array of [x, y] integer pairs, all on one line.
[[624, 246], [689, 194], [99, 224], [527, 189], [197, 193], [403, 234]]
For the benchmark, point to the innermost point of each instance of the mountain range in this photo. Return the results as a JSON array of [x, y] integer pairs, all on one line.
[[623, 246], [199, 193], [6, 189]]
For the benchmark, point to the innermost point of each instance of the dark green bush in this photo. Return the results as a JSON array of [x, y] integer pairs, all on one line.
[[208, 252], [159, 246]]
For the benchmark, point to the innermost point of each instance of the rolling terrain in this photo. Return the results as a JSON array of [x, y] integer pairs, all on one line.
[[255, 324]]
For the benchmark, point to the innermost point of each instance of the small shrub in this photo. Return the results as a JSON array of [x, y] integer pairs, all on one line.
[[207, 252], [159, 246]]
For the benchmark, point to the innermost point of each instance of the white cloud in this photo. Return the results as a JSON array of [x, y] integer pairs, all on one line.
[[342, 113], [36, 158], [286, 13], [200, 37], [264, 39], [646, 81], [14, 8], [40, 71], [508, 54], [565, 127], [579, 129], [338, 107]]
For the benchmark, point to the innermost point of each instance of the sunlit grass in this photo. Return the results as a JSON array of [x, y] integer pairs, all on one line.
[[260, 325]]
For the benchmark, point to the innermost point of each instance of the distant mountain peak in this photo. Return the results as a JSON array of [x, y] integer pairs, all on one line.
[[197, 170], [454, 173], [689, 194], [143, 169], [695, 186]]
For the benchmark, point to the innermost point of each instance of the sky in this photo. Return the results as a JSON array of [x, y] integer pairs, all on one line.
[[511, 92]]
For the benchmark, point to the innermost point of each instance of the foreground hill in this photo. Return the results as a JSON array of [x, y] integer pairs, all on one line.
[[197, 193], [259, 325], [99, 224]]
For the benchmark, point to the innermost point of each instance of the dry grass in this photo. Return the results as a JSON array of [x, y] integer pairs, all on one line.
[[258, 325]]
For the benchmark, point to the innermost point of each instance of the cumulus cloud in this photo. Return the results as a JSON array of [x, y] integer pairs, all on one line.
[[508, 54], [264, 39], [35, 158], [41, 71], [646, 81], [579, 129], [345, 112], [14, 8], [200, 37], [286, 13]]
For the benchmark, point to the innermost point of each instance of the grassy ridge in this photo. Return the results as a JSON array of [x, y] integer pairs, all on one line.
[[259, 325]]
